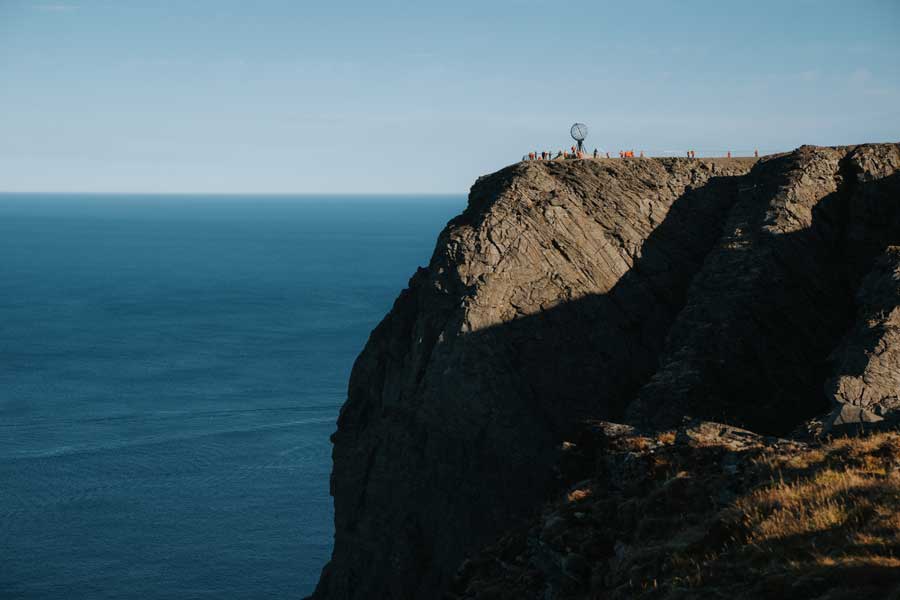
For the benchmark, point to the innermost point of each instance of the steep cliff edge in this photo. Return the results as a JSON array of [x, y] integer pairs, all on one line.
[[596, 290]]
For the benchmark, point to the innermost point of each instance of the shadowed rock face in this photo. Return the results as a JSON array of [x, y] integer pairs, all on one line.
[[590, 289], [866, 382], [776, 293]]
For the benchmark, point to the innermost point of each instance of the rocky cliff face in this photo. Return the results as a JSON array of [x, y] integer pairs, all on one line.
[[866, 376], [641, 290], [776, 294]]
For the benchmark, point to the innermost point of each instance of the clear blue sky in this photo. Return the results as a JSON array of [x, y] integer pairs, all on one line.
[[294, 96]]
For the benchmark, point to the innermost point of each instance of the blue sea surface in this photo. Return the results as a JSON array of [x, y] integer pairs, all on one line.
[[170, 370]]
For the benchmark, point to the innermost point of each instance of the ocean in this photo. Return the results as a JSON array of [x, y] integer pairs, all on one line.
[[170, 370]]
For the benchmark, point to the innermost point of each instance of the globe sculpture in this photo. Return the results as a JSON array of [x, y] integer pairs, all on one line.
[[579, 131]]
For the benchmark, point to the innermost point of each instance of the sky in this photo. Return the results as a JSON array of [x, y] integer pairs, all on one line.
[[294, 96]]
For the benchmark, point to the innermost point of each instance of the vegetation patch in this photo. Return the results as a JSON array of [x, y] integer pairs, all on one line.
[[708, 511]]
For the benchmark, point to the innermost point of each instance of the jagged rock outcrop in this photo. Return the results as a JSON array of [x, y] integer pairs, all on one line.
[[647, 289], [776, 294], [866, 387]]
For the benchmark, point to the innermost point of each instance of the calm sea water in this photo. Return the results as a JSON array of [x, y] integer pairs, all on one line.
[[170, 371]]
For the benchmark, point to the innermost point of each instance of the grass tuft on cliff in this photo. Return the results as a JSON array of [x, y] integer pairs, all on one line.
[[709, 512]]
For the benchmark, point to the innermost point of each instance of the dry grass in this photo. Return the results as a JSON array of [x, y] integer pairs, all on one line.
[[709, 517], [830, 515], [806, 522], [578, 495], [827, 500], [667, 438]]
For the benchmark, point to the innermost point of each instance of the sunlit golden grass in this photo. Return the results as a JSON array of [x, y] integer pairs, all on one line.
[[827, 513], [805, 521], [827, 500], [705, 515], [667, 438], [577, 495]]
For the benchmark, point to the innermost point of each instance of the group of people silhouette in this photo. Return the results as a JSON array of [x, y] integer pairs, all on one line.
[[574, 152]]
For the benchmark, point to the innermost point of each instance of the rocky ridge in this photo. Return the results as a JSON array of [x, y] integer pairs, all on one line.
[[639, 291]]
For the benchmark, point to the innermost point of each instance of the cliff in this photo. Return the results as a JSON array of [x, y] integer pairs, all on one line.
[[643, 291]]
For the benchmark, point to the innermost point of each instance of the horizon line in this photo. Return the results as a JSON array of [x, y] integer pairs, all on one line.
[[244, 193]]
